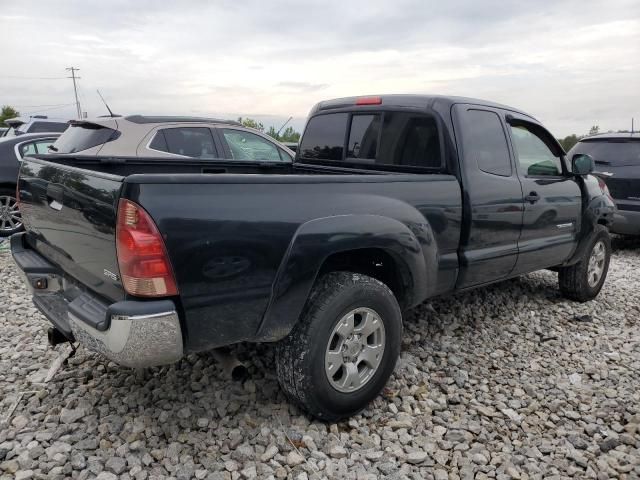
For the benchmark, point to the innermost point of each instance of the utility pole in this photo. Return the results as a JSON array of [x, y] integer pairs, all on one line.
[[73, 71]]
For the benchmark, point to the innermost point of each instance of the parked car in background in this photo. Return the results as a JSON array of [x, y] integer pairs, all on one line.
[[12, 151], [169, 138], [293, 146], [617, 160], [35, 124], [390, 200], [2, 130]]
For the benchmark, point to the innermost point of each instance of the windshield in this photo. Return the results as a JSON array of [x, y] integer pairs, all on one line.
[[613, 151]]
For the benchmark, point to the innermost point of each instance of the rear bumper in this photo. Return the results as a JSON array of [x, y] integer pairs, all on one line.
[[626, 222], [131, 333]]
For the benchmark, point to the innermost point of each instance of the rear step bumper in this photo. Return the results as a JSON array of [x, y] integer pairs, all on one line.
[[131, 333]]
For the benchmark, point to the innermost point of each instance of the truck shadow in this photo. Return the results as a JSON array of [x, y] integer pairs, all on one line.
[[625, 242], [196, 394]]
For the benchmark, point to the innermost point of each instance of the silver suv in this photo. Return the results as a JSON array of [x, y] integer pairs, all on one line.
[[169, 137], [35, 124]]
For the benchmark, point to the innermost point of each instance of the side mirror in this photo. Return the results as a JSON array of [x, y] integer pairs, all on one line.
[[582, 164]]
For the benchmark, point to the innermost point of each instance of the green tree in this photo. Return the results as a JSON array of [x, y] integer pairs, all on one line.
[[290, 135], [7, 112], [272, 133], [569, 141], [251, 123]]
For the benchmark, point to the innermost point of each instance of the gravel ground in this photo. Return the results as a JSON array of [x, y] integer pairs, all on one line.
[[509, 381]]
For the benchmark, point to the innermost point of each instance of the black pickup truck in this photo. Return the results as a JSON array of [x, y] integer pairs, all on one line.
[[390, 200]]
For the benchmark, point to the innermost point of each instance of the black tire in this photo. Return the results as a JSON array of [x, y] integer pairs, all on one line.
[[300, 357], [574, 280], [5, 227]]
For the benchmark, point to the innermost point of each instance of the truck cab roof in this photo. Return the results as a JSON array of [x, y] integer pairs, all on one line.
[[407, 100]]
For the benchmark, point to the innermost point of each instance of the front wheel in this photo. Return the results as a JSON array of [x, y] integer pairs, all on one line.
[[344, 348], [583, 281]]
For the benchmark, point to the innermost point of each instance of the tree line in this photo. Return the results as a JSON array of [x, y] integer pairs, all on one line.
[[289, 134]]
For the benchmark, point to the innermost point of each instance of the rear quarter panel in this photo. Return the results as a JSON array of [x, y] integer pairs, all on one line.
[[227, 238]]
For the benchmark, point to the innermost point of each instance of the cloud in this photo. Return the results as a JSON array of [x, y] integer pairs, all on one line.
[[570, 63]]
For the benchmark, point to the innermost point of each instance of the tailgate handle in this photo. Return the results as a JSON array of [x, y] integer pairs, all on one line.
[[55, 195]]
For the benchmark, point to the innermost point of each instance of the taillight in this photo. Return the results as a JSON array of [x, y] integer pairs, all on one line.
[[142, 257], [604, 188], [369, 101]]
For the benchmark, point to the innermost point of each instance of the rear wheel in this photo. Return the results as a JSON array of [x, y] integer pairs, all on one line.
[[10, 218], [344, 348], [583, 281]]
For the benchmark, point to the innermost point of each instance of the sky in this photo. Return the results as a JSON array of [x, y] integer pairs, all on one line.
[[571, 64]]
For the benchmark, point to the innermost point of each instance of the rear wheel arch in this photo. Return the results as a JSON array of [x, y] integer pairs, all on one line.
[[351, 243], [376, 263]]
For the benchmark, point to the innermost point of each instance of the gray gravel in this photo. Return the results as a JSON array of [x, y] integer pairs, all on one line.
[[508, 381]]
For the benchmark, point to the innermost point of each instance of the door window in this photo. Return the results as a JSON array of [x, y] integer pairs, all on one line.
[[484, 140], [28, 149], [35, 148], [194, 142], [250, 147], [533, 154]]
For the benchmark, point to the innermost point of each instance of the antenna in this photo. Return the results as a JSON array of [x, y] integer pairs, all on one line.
[[105, 103], [283, 125], [631, 124]]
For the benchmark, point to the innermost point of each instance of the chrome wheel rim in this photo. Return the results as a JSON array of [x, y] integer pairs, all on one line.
[[355, 350], [596, 263], [10, 218]]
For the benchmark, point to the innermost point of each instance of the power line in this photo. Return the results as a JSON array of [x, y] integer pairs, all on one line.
[[16, 77], [50, 108], [75, 88], [49, 105]]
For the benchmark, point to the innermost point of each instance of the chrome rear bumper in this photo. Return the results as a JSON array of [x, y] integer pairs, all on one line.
[[135, 334]]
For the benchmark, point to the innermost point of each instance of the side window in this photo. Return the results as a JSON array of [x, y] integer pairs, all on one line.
[[484, 142], [286, 156], [159, 142], [324, 137], [194, 142], [43, 146], [28, 149], [249, 146], [534, 156]]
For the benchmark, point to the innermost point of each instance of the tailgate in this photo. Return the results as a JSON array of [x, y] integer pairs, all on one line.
[[70, 217]]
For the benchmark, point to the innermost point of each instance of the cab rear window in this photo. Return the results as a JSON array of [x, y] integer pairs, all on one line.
[[375, 139], [83, 136]]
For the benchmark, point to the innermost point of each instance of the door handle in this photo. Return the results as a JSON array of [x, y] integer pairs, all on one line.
[[532, 198]]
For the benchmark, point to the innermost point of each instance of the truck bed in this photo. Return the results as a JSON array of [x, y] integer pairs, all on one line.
[[232, 236]]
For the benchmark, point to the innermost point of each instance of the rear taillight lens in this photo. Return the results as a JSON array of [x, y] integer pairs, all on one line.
[[604, 188], [142, 257]]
